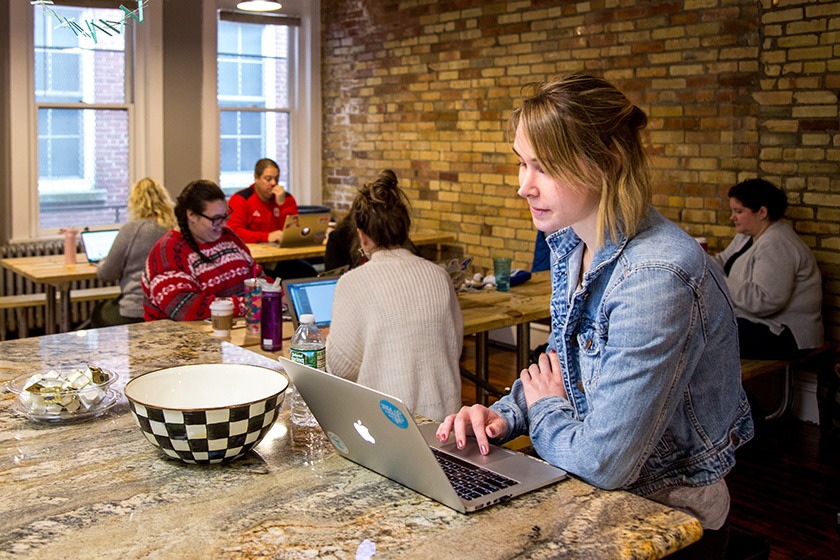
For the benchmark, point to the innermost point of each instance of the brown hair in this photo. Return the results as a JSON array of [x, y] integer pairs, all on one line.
[[263, 164], [381, 211]]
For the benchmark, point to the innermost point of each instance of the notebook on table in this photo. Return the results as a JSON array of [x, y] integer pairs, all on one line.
[[301, 230], [97, 244], [378, 432], [311, 295]]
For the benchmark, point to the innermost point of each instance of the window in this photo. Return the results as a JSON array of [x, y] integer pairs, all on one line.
[[83, 116], [254, 96]]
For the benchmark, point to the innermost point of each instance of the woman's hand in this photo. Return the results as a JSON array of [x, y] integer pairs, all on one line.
[[543, 379], [275, 236], [476, 420]]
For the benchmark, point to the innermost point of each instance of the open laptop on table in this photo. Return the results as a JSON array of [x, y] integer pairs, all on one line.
[[301, 230], [310, 295], [378, 432], [97, 244]]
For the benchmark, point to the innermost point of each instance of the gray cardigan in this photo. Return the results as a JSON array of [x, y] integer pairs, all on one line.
[[126, 260], [776, 282]]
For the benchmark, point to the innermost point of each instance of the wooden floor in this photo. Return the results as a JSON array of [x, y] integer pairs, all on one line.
[[783, 487]]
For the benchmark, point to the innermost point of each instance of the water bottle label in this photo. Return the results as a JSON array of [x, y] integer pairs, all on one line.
[[316, 358]]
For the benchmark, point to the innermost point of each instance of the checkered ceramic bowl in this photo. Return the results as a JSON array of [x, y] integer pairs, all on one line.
[[206, 413]]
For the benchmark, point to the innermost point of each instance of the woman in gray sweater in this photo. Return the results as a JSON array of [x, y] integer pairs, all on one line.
[[772, 275], [151, 214]]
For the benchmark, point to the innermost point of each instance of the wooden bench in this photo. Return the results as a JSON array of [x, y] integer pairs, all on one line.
[[750, 369], [21, 302]]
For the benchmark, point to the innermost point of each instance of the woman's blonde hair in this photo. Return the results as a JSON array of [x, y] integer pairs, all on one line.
[[148, 200], [586, 133]]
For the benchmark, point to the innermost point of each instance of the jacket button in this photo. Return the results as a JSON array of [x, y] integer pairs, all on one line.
[[735, 439], [588, 343], [580, 386]]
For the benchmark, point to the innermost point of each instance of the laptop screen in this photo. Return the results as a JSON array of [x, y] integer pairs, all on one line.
[[311, 295], [97, 244]]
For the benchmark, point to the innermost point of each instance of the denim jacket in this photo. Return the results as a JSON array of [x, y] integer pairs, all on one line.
[[649, 351]]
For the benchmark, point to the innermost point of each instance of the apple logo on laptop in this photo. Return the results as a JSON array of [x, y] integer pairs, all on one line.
[[364, 431]]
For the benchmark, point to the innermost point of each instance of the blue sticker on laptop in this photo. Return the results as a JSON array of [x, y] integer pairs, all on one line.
[[393, 414], [339, 444]]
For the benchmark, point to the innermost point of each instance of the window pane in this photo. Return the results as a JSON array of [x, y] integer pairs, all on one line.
[[83, 63], [252, 82], [256, 135], [83, 159], [253, 72]]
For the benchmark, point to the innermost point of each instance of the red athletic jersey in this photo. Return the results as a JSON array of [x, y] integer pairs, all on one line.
[[252, 219], [180, 286]]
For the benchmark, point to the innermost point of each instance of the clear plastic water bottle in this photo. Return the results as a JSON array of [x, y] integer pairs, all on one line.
[[307, 347]]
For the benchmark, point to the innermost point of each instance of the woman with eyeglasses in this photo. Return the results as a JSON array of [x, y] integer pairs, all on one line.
[[197, 262]]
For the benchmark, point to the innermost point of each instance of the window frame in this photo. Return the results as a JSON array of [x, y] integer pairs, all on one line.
[[265, 105], [305, 171], [142, 104]]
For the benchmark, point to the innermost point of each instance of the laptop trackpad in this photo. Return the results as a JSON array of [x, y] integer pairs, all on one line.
[[470, 451]]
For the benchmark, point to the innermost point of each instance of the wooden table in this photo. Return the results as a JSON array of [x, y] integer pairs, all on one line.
[[99, 489], [485, 311], [482, 311], [57, 277], [270, 252]]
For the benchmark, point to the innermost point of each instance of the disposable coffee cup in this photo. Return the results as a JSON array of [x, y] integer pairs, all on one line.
[[501, 270], [703, 243], [221, 315]]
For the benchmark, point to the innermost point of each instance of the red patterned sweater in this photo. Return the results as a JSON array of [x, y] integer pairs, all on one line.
[[178, 285]]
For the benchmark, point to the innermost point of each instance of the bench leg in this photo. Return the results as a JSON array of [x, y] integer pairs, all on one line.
[[787, 396], [22, 326]]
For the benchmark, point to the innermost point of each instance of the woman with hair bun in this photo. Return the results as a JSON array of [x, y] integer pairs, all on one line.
[[150, 215], [641, 387], [397, 325], [198, 262], [773, 276]]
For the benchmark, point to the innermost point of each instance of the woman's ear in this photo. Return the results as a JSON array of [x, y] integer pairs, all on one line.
[[762, 213]]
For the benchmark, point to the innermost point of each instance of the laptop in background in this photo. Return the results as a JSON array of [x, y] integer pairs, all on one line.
[[378, 432], [301, 230], [97, 244], [310, 295]]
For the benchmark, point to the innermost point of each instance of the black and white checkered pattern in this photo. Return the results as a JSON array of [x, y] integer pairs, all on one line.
[[210, 436]]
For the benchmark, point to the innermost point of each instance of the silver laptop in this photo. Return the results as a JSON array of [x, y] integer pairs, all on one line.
[[301, 230], [97, 244], [377, 431], [310, 295]]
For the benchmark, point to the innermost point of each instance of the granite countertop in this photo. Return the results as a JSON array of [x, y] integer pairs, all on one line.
[[98, 489]]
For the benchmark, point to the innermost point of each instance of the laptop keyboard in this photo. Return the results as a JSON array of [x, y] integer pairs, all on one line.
[[470, 481]]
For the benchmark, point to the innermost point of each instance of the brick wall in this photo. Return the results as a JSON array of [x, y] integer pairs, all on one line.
[[733, 88]]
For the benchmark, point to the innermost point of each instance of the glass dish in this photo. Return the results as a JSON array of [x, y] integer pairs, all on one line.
[[64, 404]]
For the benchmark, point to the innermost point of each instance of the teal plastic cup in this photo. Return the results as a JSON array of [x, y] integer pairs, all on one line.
[[501, 270]]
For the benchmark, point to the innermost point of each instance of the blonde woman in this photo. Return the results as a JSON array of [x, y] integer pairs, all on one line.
[[151, 214], [641, 387]]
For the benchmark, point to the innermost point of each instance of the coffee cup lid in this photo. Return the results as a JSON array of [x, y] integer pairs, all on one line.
[[221, 305]]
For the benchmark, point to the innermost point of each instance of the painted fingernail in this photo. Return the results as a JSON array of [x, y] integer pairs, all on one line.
[[460, 444], [484, 450]]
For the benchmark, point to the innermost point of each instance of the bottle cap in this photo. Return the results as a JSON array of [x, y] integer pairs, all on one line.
[[265, 286], [307, 318]]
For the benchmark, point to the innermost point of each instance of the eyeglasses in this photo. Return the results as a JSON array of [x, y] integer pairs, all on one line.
[[218, 220]]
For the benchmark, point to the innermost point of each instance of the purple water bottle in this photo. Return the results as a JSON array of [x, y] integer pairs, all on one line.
[[271, 317]]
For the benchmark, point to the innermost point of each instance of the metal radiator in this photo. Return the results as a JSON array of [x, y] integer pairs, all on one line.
[[13, 284]]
